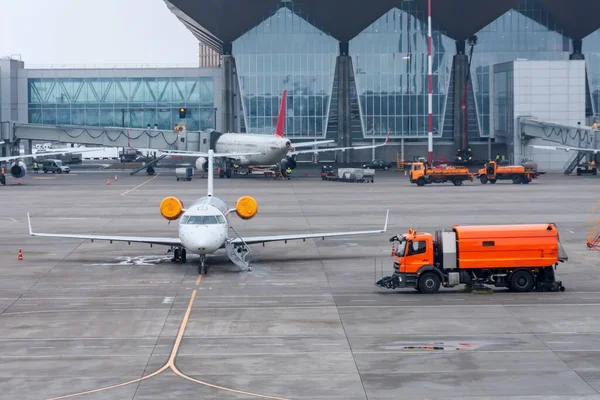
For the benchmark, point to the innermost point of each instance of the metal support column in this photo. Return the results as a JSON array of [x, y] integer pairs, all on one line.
[[344, 122], [230, 94], [459, 66]]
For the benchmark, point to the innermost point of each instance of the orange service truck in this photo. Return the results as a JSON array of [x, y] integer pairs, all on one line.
[[422, 174], [524, 173], [519, 257]]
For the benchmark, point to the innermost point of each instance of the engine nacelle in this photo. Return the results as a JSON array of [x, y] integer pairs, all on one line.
[[246, 207], [288, 162], [18, 169], [171, 208], [201, 164]]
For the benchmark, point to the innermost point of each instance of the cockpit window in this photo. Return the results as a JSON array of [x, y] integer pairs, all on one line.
[[184, 219], [203, 220], [209, 220]]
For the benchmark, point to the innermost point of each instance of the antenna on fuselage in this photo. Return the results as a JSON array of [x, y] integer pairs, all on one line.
[[211, 155]]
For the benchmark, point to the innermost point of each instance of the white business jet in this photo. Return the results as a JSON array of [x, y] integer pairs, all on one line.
[[204, 228]]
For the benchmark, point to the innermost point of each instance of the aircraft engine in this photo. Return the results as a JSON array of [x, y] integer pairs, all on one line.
[[17, 169], [171, 208], [202, 164], [288, 162], [246, 207]]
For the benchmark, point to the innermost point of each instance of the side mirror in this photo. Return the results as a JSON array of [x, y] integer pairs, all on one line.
[[395, 238]]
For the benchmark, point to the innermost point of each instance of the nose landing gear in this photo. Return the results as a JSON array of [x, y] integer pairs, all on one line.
[[203, 267]]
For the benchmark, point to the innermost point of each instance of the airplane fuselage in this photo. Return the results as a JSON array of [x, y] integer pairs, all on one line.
[[204, 225], [272, 149]]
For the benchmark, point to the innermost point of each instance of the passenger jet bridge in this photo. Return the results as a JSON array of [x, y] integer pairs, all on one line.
[[531, 131], [14, 132]]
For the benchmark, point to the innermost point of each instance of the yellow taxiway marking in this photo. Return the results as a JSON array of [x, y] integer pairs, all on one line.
[[140, 185], [171, 365]]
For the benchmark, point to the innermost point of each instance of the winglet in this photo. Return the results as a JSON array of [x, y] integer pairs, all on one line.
[[279, 132], [29, 222], [386, 221]]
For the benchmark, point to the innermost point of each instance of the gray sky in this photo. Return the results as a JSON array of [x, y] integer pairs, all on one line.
[[94, 32]]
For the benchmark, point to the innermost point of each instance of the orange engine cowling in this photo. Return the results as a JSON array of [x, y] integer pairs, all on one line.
[[246, 207], [171, 208]]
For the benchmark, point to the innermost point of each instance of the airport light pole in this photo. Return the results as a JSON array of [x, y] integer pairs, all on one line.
[[429, 88]]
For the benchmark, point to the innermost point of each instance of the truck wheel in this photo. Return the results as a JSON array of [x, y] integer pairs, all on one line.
[[517, 179], [429, 283], [521, 281], [420, 182], [578, 171], [457, 182], [483, 179], [492, 181], [526, 181]]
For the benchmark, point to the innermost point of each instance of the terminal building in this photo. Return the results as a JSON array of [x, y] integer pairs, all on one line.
[[506, 73]]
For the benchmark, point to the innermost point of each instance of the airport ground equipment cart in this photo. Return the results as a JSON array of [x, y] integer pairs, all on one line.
[[184, 174], [353, 175], [423, 174], [519, 257], [524, 173]]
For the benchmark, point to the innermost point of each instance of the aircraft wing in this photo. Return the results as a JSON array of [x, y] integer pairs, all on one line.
[[310, 144], [280, 238], [565, 148], [128, 239], [50, 153], [216, 155], [340, 148]]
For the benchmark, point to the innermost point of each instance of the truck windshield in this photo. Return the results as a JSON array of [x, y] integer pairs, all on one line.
[[401, 249]]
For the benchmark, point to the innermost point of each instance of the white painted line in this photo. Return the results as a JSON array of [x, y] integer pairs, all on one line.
[[118, 304], [560, 342], [362, 301], [168, 300], [41, 347], [140, 185], [78, 304], [326, 344], [92, 347], [266, 344], [212, 345]]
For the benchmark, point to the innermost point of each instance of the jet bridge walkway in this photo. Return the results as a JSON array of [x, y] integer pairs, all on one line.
[[157, 139], [560, 135]]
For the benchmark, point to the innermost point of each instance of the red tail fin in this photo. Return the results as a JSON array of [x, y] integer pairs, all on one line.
[[281, 118]]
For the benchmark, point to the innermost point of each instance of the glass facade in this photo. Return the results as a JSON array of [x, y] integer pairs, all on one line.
[[286, 52], [390, 67], [528, 32], [126, 102], [591, 51]]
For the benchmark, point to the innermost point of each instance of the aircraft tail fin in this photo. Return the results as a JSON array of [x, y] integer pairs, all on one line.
[[280, 131], [211, 156]]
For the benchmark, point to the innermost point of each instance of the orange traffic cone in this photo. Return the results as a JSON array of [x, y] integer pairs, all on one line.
[[108, 181], [18, 181], [116, 179], [20, 257], [404, 172], [393, 250]]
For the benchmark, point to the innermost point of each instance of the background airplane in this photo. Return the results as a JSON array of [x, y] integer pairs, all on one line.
[[17, 168], [204, 226], [272, 149]]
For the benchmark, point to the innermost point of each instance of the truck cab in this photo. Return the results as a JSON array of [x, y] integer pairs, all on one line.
[[414, 262], [417, 170]]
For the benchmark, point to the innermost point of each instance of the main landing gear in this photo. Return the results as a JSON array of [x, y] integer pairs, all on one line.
[[179, 255]]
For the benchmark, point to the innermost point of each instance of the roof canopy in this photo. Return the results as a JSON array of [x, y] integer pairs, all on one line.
[[215, 22]]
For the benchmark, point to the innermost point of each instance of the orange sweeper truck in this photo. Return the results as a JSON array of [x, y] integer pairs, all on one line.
[[519, 257]]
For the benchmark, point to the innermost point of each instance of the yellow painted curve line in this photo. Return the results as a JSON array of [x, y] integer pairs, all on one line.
[[171, 365]]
